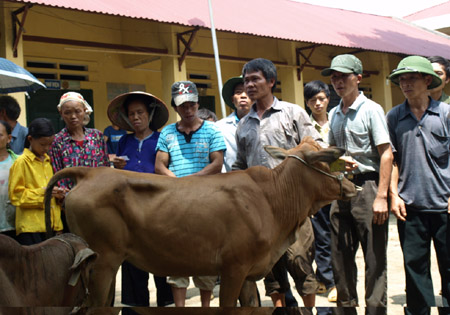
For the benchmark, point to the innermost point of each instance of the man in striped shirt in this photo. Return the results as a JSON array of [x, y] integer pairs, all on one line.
[[191, 146]]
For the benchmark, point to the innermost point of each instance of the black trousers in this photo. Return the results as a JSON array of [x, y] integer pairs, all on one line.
[[134, 285], [163, 291], [297, 261], [415, 236], [351, 225], [30, 238], [11, 234]]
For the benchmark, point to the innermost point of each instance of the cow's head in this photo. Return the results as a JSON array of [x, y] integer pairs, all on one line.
[[84, 258], [318, 159]]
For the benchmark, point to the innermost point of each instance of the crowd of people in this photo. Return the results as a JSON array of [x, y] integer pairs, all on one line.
[[400, 159]]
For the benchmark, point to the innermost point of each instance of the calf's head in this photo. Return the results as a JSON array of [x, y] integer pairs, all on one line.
[[329, 185], [84, 259]]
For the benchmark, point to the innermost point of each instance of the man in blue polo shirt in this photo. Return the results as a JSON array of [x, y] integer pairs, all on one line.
[[10, 112], [191, 146], [420, 184]]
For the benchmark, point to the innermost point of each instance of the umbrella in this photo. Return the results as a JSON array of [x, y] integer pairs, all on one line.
[[14, 78]]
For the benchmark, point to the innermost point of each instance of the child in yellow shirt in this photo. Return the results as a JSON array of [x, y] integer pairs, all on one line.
[[28, 178]]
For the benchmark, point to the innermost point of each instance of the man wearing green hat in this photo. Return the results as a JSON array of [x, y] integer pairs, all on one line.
[[420, 184], [234, 95], [358, 125]]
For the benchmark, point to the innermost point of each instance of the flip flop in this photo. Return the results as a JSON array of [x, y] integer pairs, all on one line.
[[332, 295]]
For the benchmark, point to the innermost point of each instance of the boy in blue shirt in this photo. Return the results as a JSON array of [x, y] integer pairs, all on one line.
[[112, 135]]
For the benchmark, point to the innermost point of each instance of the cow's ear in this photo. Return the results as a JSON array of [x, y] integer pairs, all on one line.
[[275, 152], [325, 155]]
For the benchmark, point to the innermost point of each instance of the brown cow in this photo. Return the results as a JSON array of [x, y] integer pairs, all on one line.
[[236, 225], [215, 311], [52, 273]]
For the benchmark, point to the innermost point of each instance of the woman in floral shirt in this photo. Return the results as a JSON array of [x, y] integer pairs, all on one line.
[[76, 145]]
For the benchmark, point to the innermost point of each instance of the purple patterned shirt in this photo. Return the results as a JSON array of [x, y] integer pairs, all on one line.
[[65, 152]]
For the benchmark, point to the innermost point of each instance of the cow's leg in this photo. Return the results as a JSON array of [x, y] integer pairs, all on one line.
[[230, 287], [112, 291], [99, 288], [101, 311], [249, 294], [101, 281]]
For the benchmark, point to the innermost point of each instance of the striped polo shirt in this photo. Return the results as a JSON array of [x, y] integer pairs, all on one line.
[[189, 154]]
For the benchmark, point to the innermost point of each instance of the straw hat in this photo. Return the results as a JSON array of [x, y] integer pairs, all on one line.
[[158, 111]]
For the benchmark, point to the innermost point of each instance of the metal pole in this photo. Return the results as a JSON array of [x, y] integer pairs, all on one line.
[[216, 57]]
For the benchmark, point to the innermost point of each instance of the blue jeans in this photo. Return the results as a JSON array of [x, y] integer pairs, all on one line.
[[322, 240]]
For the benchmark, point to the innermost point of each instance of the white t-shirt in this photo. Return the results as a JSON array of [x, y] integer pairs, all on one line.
[[7, 210]]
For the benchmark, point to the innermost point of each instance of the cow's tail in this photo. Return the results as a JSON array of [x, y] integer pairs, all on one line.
[[73, 173]]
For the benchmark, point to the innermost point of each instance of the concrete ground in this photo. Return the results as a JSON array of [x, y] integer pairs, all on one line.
[[396, 282]]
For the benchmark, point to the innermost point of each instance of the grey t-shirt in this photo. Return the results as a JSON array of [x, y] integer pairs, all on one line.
[[359, 132], [284, 125], [421, 150]]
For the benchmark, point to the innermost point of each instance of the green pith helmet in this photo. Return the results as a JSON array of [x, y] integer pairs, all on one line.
[[344, 63], [413, 64], [228, 90]]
